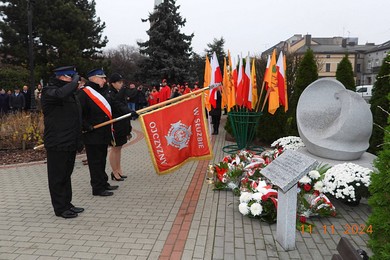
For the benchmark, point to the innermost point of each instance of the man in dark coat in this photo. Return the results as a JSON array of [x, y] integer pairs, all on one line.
[[95, 110], [16, 101], [27, 98], [216, 111], [4, 102], [62, 137]]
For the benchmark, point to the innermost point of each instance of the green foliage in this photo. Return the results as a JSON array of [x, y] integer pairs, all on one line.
[[218, 47], [380, 201], [378, 102], [64, 32], [167, 51], [307, 74], [344, 73], [13, 76]]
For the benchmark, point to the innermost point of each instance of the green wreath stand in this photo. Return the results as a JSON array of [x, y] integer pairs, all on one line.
[[244, 124]]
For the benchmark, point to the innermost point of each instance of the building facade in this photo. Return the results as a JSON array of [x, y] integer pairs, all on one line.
[[365, 59]]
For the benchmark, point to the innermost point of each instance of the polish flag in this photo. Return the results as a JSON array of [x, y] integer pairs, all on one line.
[[282, 84], [216, 79]]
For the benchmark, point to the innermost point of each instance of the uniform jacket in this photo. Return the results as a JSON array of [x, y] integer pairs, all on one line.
[[119, 108], [62, 116], [93, 115]]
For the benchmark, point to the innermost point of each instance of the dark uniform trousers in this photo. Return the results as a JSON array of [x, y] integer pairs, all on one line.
[[97, 155], [60, 166]]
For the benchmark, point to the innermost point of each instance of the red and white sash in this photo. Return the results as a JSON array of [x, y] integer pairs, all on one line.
[[103, 104], [99, 100]]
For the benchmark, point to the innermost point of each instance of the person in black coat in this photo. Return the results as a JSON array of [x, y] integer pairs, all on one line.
[[216, 111], [4, 102], [122, 128], [62, 137], [17, 101], [95, 110], [27, 98]]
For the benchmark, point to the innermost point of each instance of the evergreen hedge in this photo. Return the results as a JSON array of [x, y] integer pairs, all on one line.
[[378, 100], [380, 201], [344, 73]]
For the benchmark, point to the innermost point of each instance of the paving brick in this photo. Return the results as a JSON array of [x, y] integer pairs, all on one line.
[[135, 223]]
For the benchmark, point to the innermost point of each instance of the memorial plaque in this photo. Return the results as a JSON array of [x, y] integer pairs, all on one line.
[[287, 169]]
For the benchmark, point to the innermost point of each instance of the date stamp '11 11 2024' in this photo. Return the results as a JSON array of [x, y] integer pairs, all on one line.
[[347, 229]]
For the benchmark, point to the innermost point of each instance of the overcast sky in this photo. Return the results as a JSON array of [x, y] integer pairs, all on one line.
[[252, 25]]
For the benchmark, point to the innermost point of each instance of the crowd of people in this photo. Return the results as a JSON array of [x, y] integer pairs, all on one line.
[[137, 97], [19, 100], [75, 110]]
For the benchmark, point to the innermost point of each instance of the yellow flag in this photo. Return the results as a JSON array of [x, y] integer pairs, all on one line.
[[207, 80], [272, 83], [230, 84], [254, 85], [225, 90]]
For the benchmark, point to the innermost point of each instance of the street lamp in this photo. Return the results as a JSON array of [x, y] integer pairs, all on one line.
[[30, 4]]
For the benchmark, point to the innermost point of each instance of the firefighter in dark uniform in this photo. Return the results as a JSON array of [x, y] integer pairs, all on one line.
[[95, 110], [62, 137]]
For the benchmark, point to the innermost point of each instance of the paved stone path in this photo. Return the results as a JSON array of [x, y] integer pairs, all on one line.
[[173, 216]]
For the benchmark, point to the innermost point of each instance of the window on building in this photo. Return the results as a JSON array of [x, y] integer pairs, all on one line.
[[369, 81], [328, 56], [358, 67], [327, 67]]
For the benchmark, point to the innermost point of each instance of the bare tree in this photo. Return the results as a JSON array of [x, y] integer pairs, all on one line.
[[125, 59]]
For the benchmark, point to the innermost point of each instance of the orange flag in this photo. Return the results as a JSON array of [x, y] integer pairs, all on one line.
[[282, 84], [272, 84], [207, 80], [225, 84], [254, 85], [176, 134]]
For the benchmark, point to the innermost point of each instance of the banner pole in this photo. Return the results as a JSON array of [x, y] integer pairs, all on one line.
[[142, 110]]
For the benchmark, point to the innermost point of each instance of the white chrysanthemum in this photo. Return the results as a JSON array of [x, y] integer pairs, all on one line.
[[256, 209], [257, 196], [243, 208], [305, 179], [341, 178], [319, 185], [245, 197], [289, 143], [314, 174]]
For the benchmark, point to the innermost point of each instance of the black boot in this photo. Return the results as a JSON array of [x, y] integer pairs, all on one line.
[[215, 131], [216, 127]]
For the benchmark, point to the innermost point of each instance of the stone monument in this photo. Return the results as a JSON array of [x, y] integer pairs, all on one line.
[[285, 172], [334, 122]]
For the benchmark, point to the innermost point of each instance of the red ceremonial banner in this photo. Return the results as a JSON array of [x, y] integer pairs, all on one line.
[[177, 133]]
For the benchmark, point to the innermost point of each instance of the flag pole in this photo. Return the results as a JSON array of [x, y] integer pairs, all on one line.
[[265, 100], [142, 111], [261, 94]]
